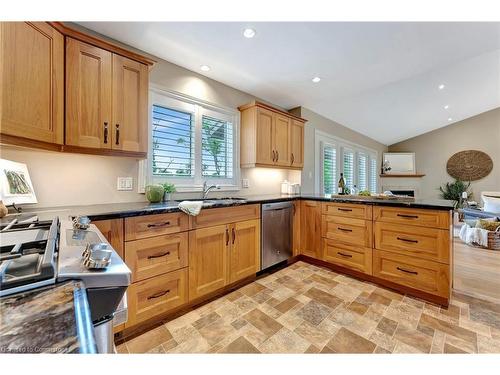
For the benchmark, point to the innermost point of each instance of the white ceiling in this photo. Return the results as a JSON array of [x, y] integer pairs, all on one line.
[[380, 79]]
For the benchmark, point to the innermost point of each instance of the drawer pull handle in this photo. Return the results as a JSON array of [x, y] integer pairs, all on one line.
[[345, 255], [160, 294], [157, 225], [274, 156], [345, 209], [407, 240], [403, 270], [158, 255], [234, 235], [408, 216], [227, 237], [344, 229]]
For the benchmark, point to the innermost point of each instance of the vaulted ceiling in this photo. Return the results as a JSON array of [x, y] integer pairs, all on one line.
[[380, 79]]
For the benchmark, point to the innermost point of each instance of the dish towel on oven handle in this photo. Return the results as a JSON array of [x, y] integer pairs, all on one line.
[[191, 208]]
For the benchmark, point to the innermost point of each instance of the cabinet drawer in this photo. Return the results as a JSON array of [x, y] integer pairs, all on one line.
[[354, 257], [155, 225], [356, 211], [156, 255], [156, 296], [413, 216], [225, 215], [426, 243], [425, 275], [349, 231]]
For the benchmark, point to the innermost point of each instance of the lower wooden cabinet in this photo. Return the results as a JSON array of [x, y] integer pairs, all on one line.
[[154, 256], [421, 274], [310, 229], [351, 231], [208, 260], [112, 229], [222, 255], [155, 296], [354, 257]]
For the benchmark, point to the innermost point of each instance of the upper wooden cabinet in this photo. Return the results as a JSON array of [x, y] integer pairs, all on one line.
[[103, 106], [88, 95], [106, 99], [31, 82], [270, 137]]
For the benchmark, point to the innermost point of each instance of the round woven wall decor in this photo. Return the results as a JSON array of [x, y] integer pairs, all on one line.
[[469, 165]]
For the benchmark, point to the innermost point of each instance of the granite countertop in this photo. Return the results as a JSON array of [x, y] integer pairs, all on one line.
[[54, 319], [122, 210]]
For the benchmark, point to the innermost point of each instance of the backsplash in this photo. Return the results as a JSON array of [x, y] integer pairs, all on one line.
[[65, 179]]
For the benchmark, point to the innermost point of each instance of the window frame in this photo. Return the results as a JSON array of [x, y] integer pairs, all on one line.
[[322, 140], [197, 107]]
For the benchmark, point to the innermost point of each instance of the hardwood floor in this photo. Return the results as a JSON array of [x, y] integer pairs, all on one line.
[[476, 271]]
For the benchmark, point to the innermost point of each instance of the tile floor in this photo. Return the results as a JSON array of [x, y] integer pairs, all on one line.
[[309, 309]]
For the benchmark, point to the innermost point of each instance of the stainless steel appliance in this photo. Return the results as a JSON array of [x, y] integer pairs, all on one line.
[[39, 253], [277, 222]]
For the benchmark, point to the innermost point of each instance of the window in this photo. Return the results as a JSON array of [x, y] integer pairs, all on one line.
[[348, 169], [329, 169], [362, 171], [173, 146], [192, 142], [335, 156], [217, 148]]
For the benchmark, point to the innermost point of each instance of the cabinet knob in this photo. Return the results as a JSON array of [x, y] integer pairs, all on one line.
[[117, 134]]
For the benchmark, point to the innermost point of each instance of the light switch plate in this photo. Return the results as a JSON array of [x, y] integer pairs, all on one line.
[[124, 183], [245, 183]]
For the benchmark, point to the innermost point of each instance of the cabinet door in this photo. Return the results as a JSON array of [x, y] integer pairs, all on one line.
[[281, 140], [208, 260], [310, 229], [88, 95], [112, 229], [32, 81], [130, 104], [245, 249], [264, 146], [297, 144]]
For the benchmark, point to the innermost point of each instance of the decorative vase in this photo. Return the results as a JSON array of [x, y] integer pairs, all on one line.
[[167, 197], [154, 193]]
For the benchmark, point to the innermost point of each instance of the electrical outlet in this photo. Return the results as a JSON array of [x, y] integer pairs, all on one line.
[[245, 183], [124, 183]]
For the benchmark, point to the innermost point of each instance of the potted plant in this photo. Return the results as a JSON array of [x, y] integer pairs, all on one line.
[[169, 189], [154, 193], [453, 191]]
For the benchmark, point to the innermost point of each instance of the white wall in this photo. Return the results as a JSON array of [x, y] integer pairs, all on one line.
[[433, 149]]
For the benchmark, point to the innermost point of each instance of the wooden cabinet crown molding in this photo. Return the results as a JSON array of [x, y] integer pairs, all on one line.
[[101, 43], [256, 103]]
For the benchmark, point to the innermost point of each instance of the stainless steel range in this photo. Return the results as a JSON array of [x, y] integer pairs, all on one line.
[[39, 253]]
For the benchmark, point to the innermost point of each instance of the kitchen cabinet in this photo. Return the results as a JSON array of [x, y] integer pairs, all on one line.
[[271, 137], [221, 255], [31, 84], [310, 229], [297, 144], [208, 260], [112, 229], [88, 95]]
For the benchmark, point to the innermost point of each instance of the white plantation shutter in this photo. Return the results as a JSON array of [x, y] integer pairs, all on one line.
[[349, 168], [217, 148], [329, 169], [373, 175], [362, 172], [173, 142]]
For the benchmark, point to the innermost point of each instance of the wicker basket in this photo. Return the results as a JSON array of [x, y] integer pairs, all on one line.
[[494, 239]]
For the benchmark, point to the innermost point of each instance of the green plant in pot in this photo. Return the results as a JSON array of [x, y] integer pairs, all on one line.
[[453, 191], [169, 189], [154, 193]]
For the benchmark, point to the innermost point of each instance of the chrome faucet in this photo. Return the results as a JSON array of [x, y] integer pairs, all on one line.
[[206, 189]]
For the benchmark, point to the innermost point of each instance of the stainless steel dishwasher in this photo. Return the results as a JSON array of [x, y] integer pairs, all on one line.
[[277, 222]]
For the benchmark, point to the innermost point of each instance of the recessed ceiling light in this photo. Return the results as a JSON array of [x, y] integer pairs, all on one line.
[[249, 33], [441, 86], [450, 119], [205, 68], [446, 106], [316, 79]]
